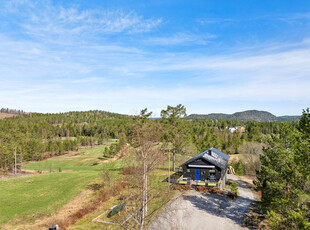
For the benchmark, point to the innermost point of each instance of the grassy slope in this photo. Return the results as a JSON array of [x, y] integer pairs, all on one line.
[[155, 181], [43, 193], [86, 222], [82, 160], [39, 193], [27, 198]]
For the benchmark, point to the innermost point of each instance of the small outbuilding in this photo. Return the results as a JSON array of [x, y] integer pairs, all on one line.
[[210, 165]]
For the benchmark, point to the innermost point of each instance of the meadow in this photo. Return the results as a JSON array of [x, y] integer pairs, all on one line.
[[61, 179]]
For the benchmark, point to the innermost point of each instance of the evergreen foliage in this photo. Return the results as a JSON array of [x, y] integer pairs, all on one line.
[[284, 177], [38, 136]]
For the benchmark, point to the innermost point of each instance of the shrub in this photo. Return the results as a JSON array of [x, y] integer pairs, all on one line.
[[233, 187], [130, 170]]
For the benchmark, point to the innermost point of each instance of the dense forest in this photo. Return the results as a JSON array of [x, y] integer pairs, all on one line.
[[284, 177], [36, 136]]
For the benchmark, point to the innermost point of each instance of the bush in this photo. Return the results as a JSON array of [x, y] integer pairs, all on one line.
[[233, 187], [130, 170]]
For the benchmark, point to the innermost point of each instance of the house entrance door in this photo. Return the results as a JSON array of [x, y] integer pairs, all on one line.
[[197, 174]]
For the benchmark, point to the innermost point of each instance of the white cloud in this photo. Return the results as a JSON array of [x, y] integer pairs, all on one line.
[[305, 16], [52, 24], [270, 77], [91, 80], [42, 19], [181, 38], [60, 67], [207, 21]]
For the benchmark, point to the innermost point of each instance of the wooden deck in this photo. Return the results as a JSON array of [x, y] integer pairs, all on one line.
[[190, 182]]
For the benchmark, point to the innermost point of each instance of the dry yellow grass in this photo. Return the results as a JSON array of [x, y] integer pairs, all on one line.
[[249, 157], [6, 115]]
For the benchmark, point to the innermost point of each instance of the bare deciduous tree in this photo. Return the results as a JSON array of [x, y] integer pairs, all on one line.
[[148, 153]]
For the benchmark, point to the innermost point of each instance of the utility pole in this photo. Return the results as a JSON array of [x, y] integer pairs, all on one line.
[[146, 191], [15, 167], [169, 172], [21, 162]]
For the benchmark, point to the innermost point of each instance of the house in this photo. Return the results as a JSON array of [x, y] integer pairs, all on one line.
[[210, 165], [232, 129], [240, 129]]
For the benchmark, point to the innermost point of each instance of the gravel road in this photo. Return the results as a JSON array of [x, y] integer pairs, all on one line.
[[196, 211]]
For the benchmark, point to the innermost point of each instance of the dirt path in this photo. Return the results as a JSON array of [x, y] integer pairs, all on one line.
[[193, 210]]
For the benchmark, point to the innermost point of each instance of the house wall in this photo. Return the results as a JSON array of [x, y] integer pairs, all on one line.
[[204, 172]]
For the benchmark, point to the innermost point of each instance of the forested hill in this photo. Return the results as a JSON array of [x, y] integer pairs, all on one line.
[[249, 115], [37, 135], [81, 116], [5, 113]]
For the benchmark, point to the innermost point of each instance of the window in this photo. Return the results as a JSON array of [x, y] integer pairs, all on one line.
[[188, 170]]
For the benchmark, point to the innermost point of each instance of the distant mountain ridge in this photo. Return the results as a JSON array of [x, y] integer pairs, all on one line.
[[248, 115]]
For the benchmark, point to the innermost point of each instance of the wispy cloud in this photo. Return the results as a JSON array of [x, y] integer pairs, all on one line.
[[44, 19], [288, 17], [268, 77], [305, 16], [55, 58], [181, 39], [91, 80], [208, 21], [72, 21]]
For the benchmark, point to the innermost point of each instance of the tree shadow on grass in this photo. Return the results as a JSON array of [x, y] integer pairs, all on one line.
[[114, 169]]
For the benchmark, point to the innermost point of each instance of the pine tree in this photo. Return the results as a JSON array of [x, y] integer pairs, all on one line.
[[284, 177]]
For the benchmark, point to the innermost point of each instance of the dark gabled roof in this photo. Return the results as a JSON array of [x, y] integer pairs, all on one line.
[[221, 154], [214, 156]]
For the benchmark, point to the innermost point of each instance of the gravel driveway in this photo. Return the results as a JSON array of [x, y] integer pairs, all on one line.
[[196, 211]]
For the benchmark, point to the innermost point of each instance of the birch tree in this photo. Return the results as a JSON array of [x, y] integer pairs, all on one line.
[[148, 152]]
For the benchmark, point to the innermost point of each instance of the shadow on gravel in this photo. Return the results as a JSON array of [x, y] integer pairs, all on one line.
[[222, 206], [240, 183]]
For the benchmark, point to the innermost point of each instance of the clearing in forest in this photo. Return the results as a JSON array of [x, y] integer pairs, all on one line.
[[25, 199]]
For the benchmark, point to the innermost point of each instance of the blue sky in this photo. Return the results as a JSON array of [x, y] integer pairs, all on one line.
[[123, 55]]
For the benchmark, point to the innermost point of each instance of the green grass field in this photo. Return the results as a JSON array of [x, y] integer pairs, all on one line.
[[25, 199], [36, 194], [32, 195], [82, 160]]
